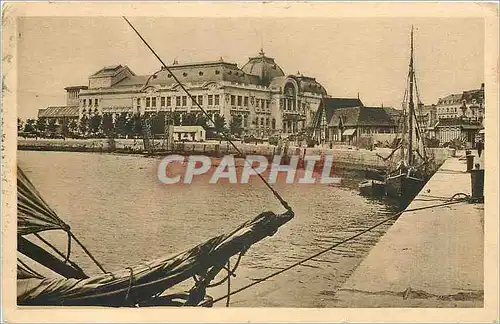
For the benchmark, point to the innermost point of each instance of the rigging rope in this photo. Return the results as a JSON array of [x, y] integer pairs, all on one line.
[[340, 243], [275, 193]]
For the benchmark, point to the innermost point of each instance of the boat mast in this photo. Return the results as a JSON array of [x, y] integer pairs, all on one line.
[[411, 107]]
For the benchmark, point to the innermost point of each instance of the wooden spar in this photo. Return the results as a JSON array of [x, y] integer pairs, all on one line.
[[46, 259], [411, 106], [158, 275]]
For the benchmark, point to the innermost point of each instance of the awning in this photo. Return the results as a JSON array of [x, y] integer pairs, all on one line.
[[349, 132]]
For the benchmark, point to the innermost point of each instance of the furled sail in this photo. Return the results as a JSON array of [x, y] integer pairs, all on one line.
[[33, 213]]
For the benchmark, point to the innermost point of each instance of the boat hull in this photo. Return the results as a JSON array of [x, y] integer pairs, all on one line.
[[403, 186], [372, 188]]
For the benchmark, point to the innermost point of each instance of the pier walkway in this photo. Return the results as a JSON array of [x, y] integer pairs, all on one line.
[[428, 258]]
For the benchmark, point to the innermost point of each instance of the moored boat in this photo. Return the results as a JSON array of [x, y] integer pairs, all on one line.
[[410, 169], [372, 188]]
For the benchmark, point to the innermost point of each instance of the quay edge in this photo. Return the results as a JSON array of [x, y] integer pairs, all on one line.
[[427, 258]]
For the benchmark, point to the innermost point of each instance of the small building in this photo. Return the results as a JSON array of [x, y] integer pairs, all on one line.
[[189, 133], [349, 124], [59, 116]]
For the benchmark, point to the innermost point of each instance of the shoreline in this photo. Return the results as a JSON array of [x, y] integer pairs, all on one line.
[[344, 157]]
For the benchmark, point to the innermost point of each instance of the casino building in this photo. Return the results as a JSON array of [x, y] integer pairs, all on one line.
[[268, 100]]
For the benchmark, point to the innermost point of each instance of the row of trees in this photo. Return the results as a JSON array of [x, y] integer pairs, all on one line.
[[126, 124]]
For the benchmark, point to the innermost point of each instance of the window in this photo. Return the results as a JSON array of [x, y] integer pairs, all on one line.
[[267, 122], [268, 102], [262, 121], [84, 102], [216, 100], [273, 123], [96, 101], [200, 73], [233, 99], [245, 101], [240, 101], [169, 101], [217, 72], [210, 100], [153, 102], [138, 102], [178, 101], [148, 102], [184, 101], [162, 101], [200, 100], [184, 74]]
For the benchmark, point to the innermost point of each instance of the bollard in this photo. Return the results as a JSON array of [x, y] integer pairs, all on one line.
[[477, 183], [470, 161]]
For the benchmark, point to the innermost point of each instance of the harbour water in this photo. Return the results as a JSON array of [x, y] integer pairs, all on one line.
[[124, 215]]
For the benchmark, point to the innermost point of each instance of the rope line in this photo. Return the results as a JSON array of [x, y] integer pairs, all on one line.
[[228, 282], [226, 136], [87, 252], [337, 244], [74, 265], [28, 268]]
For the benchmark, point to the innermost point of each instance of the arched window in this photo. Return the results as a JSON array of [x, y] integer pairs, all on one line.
[[290, 95]]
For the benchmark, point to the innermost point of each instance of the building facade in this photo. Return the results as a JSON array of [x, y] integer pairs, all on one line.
[[467, 105], [269, 101]]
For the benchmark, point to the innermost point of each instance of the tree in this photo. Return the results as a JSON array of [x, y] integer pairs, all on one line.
[[83, 124], [29, 126], [64, 127], [95, 123], [120, 124], [189, 119], [201, 120], [107, 124], [158, 123], [52, 127], [137, 121], [235, 125], [20, 125], [129, 125], [41, 125], [219, 123], [176, 118], [73, 127]]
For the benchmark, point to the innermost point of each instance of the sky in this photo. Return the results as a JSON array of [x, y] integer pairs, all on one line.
[[347, 56]]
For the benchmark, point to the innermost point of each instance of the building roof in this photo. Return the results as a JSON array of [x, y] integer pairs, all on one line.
[[62, 111], [452, 98], [264, 67], [364, 116], [331, 104], [470, 95], [110, 71]]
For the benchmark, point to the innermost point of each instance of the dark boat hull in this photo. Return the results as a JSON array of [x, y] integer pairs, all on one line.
[[372, 188], [403, 186]]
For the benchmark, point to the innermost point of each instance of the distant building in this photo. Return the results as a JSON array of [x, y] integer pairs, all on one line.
[[468, 104], [449, 129], [348, 124], [268, 100], [63, 115]]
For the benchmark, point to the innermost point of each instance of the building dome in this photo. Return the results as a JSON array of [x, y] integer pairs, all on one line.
[[263, 67]]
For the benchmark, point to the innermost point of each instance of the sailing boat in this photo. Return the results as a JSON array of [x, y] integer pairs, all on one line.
[[408, 174]]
